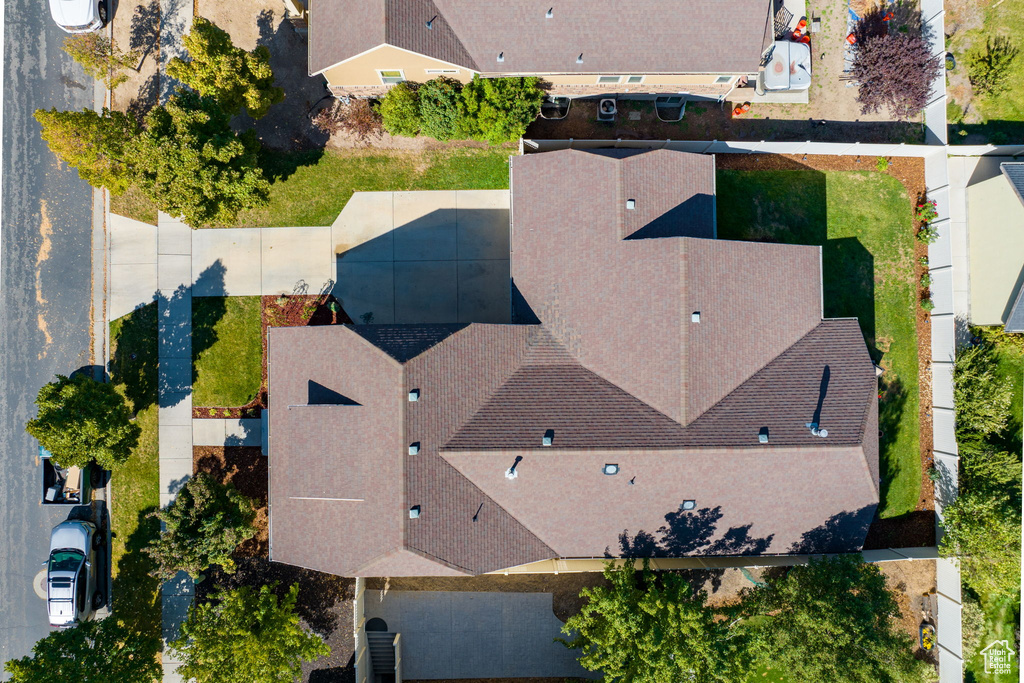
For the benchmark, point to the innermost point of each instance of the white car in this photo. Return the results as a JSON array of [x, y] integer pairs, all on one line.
[[71, 593], [79, 16]]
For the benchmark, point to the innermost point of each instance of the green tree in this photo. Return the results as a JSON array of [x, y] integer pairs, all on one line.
[[831, 620], [234, 77], [244, 636], [499, 109], [439, 108], [972, 627], [400, 109], [99, 58], [81, 420], [203, 526], [92, 652], [989, 63], [981, 399], [94, 143], [983, 532], [651, 628], [191, 164]]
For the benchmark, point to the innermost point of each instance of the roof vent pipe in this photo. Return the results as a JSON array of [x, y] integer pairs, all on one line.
[[762, 436], [511, 472], [414, 448], [549, 438], [631, 204], [816, 430], [550, 13], [430, 24], [414, 395], [579, 60], [501, 56], [414, 512]]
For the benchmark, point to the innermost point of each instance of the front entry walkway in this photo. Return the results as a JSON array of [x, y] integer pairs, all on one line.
[[449, 634]]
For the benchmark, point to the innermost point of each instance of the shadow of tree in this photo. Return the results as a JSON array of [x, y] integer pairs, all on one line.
[[133, 364], [840, 533], [892, 401], [691, 532], [146, 99], [145, 30], [136, 598], [902, 17]]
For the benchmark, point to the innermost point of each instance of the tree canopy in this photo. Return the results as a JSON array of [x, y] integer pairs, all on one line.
[[651, 628], [831, 620], [92, 652], [202, 527], [983, 531], [99, 58], [981, 399], [81, 420], [500, 109], [216, 68], [243, 635], [191, 164], [400, 109], [94, 143]]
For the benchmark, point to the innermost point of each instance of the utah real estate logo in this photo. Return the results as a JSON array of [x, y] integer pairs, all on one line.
[[998, 657]]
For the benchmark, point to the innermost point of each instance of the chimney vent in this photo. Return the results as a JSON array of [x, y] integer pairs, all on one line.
[[414, 395], [688, 505], [501, 56], [414, 512], [611, 469], [550, 13], [817, 430], [762, 436], [630, 204], [695, 317], [430, 24], [579, 60], [549, 438], [414, 448]]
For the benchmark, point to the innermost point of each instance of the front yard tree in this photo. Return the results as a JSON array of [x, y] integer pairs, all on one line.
[[81, 420], [243, 636], [192, 165], [100, 58], [499, 109], [202, 527], [94, 143], [234, 77], [92, 652], [894, 70], [831, 620], [650, 628]]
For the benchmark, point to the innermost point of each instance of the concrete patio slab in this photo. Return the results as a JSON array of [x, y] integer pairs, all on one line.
[[366, 291], [131, 286], [484, 292], [175, 272], [426, 292], [237, 252], [451, 634], [293, 254], [176, 409], [174, 472], [174, 237], [131, 241], [175, 444], [425, 226], [362, 232]]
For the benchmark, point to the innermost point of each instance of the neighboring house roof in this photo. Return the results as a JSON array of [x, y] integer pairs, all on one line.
[[1014, 172], [616, 367], [641, 37], [1015, 321]]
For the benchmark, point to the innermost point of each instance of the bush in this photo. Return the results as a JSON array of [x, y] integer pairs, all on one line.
[[927, 234], [499, 109], [358, 118], [882, 164], [984, 534], [99, 58], [926, 280], [988, 65], [202, 527], [81, 420], [439, 108], [927, 303], [894, 71], [926, 211], [954, 113], [400, 109], [981, 400], [972, 627]]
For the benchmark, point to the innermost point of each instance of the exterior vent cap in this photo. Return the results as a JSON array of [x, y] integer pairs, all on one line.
[[695, 317], [611, 469], [549, 438], [550, 13], [414, 448], [688, 505], [501, 56], [414, 395], [430, 24], [579, 60], [630, 204], [414, 512], [762, 436]]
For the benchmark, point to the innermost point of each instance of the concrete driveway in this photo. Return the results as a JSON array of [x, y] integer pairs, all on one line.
[[450, 634], [424, 257]]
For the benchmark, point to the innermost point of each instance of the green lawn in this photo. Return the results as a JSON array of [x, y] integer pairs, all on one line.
[[227, 354], [135, 485], [863, 221], [311, 188], [1002, 112]]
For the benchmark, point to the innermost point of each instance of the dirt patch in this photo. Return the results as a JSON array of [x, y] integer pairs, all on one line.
[[135, 26], [913, 584]]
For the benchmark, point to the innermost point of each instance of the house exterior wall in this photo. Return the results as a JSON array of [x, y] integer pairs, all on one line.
[[361, 71], [995, 231]]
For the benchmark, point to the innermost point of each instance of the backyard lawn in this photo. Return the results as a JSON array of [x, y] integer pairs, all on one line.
[[227, 353], [863, 221], [311, 188], [136, 483]]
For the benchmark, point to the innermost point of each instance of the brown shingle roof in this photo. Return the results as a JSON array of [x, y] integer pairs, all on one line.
[[641, 37], [621, 372]]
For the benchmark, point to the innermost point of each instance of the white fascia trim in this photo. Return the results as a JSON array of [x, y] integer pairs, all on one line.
[[411, 52]]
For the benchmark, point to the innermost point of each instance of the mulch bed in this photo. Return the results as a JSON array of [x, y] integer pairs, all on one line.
[[246, 468], [295, 310]]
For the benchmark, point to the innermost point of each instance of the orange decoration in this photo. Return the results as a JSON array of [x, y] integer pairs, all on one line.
[[737, 111], [806, 40], [851, 39], [802, 25]]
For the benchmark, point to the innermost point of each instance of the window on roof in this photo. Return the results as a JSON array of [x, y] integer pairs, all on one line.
[[609, 79], [723, 79], [634, 79], [391, 76]]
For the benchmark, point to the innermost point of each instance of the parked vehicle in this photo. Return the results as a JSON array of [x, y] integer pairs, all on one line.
[[64, 486], [79, 16], [71, 592]]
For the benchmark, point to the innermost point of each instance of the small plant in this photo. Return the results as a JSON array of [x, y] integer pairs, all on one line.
[[927, 303], [400, 109], [926, 280], [882, 164], [954, 113], [282, 300], [358, 117], [926, 211], [923, 261], [927, 234], [934, 474], [988, 65]]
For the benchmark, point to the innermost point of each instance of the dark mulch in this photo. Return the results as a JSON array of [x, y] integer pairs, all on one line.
[[294, 310], [246, 468]]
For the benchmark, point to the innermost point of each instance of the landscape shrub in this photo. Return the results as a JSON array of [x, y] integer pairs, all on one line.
[[972, 626], [358, 118], [983, 532], [927, 234], [882, 164], [988, 64], [927, 303], [926, 280], [926, 211], [400, 109], [981, 400], [894, 70], [499, 109], [439, 108]]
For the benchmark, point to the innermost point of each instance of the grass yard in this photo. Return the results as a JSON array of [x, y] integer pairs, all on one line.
[[311, 188], [863, 221], [136, 483], [227, 352]]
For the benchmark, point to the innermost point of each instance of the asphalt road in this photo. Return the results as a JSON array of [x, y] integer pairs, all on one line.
[[45, 298]]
